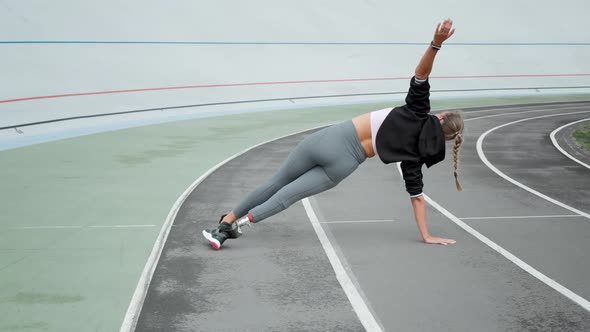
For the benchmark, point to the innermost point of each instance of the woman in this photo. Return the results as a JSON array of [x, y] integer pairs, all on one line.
[[406, 134]]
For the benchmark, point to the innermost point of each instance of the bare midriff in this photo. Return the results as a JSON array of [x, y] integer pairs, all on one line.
[[362, 124]]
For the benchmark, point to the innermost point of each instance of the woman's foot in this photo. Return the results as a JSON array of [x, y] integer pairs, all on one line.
[[217, 236], [225, 231], [234, 232]]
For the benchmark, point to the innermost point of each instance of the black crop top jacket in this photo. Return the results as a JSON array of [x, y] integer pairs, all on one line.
[[413, 136]]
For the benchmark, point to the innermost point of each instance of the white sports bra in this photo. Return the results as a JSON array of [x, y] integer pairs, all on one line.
[[377, 118]]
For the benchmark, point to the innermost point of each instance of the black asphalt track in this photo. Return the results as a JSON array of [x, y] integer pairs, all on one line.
[[277, 276], [279, 279]]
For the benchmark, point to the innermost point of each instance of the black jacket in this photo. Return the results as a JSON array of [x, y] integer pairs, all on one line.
[[410, 135]]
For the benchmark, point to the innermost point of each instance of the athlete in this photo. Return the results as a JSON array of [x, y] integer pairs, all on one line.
[[406, 134]]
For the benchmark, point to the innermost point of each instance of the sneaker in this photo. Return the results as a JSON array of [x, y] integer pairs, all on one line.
[[224, 231], [215, 237], [232, 232]]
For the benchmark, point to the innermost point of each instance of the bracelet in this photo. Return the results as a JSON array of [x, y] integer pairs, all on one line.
[[436, 47]]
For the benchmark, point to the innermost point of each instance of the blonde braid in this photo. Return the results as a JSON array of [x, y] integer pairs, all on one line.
[[453, 125], [458, 142]]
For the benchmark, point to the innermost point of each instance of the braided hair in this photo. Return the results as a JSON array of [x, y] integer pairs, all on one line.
[[453, 129]]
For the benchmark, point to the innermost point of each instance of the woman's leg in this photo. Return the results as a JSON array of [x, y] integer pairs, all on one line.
[[317, 164], [312, 182], [297, 163], [337, 154]]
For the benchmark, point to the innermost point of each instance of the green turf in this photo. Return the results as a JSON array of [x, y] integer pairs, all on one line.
[[582, 136]]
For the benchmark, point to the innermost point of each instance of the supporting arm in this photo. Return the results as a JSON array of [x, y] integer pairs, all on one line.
[[419, 205]]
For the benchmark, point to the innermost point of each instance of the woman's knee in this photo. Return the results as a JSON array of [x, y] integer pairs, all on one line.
[[287, 201]]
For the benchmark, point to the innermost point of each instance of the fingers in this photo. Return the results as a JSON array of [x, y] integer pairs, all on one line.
[[439, 240], [444, 31], [446, 26], [442, 241], [447, 241], [451, 33]]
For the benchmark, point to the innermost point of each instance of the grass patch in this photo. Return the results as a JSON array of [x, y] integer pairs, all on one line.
[[582, 136]]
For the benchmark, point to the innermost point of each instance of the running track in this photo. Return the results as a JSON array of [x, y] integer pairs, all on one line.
[[520, 262]]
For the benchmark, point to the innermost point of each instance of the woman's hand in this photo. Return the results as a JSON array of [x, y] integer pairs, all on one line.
[[438, 240], [443, 32]]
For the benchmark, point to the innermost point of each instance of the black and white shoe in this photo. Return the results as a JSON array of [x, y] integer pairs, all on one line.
[[225, 231], [215, 237]]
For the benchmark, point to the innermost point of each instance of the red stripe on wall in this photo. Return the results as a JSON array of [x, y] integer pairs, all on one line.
[[280, 83]]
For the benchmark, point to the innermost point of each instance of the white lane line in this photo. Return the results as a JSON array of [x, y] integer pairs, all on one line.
[[524, 112], [556, 144], [524, 217], [354, 221], [46, 227], [122, 226], [511, 180], [520, 263], [358, 304], [78, 227], [560, 107], [134, 309]]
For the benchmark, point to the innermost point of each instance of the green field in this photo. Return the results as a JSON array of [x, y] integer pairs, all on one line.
[[582, 136]]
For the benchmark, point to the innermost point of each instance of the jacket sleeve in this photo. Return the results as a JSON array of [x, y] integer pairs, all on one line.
[[412, 174], [418, 97]]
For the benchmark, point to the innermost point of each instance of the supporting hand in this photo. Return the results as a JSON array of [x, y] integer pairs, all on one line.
[[438, 240]]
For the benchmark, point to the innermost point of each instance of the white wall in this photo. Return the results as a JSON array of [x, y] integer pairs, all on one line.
[[30, 70]]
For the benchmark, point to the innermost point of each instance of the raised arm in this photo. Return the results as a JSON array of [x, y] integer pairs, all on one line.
[[443, 32]]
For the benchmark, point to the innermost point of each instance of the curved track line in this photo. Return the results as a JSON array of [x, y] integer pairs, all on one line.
[[352, 293], [511, 257], [556, 144], [15, 126], [518, 107], [524, 112], [134, 310], [511, 180], [225, 85]]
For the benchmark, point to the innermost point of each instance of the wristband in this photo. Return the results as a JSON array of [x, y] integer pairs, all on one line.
[[436, 47]]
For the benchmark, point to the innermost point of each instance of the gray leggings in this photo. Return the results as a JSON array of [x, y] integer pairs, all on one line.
[[317, 163]]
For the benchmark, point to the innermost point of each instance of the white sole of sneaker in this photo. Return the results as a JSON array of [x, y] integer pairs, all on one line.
[[214, 243]]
